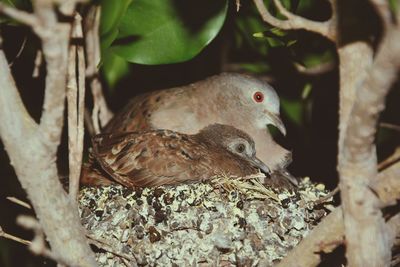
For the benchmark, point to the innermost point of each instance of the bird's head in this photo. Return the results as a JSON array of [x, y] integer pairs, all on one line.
[[235, 141], [256, 99]]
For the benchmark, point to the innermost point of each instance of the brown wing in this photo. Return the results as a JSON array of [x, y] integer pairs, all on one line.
[[92, 176], [135, 116], [152, 158]]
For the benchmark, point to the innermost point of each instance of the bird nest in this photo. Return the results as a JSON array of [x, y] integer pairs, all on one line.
[[226, 222]]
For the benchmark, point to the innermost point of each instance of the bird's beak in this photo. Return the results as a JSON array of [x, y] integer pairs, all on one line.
[[261, 165], [287, 175], [277, 122]]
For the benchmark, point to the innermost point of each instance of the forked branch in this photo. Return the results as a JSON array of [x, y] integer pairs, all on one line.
[[363, 219], [294, 22], [32, 148]]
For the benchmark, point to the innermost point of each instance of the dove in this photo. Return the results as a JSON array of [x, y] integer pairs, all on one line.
[[241, 101], [164, 157]]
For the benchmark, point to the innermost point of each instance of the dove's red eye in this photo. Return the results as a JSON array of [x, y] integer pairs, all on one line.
[[258, 97]]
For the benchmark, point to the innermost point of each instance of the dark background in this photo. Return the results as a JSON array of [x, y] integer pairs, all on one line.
[[313, 142]]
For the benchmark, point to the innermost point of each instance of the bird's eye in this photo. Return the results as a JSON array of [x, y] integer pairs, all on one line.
[[240, 148], [258, 97]]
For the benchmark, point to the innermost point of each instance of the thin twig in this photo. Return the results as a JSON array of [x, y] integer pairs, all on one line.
[[75, 97], [96, 107], [317, 70], [102, 244], [14, 238], [395, 157], [390, 126], [328, 196], [38, 62], [38, 244], [89, 122], [101, 114], [19, 202], [72, 97], [249, 185], [237, 2], [19, 52], [81, 95]]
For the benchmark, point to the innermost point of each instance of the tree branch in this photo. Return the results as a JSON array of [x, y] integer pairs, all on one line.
[[55, 37], [32, 149], [10, 102], [37, 172], [18, 15], [329, 233], [76, 103], [294, 22], [357, 160], [101, 114]]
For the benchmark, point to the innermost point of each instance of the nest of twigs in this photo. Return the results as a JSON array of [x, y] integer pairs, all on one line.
[[225, 222]]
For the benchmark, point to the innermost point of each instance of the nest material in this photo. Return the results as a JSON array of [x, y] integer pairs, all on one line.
[[205, 224]]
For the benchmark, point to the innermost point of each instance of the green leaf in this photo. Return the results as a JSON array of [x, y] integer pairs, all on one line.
[[293, 109], [168, 31], [312, 60], [306, 91], [394, 6], [291, 42], [304, 5], [111, 14], [107, 39], [18, 4], [258, 35], [256, 67], [278, 32], [250, 29], [114, 68], [287, 4], [275, 42], [272, 33], [275, 37]]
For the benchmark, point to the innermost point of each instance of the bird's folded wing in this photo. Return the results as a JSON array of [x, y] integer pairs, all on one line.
[[133, 117], [149, 159]]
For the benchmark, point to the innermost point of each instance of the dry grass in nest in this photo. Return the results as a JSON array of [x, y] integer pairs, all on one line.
[[250, 185]]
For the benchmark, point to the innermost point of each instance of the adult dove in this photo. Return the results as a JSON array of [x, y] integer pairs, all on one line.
[[241, 101]]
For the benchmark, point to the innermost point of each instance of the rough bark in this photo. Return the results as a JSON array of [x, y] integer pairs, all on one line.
[[32, 147], [365, 79], [76, 104], [364, 224]]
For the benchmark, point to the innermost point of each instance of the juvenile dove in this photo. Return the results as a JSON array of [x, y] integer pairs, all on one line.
[[164, 157], [238, 100]]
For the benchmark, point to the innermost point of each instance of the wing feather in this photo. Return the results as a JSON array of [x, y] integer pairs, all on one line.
[[148, 159]]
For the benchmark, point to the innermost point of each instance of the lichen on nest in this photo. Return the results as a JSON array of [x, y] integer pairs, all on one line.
[[205, 224]]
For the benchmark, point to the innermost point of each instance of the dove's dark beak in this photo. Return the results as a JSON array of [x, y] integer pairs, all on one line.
[[261, 165], [287, 175]]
